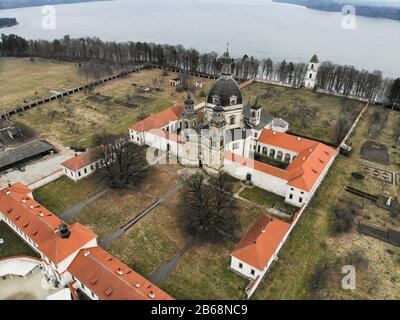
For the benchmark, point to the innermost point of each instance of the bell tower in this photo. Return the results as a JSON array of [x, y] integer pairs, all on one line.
[[216, 141], [311, 75], [188, 116], [255, 113]]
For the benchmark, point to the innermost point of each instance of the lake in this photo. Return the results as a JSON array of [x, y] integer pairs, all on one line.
[[259, 28]]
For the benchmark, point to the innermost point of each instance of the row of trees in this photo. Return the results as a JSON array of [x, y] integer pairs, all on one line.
[[349, 81], [336, 78]]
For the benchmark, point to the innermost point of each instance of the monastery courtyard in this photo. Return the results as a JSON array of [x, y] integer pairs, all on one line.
[[157, 238]]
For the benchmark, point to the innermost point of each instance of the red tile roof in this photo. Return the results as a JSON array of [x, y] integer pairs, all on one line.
[[311, 160], [40, 225], [57, 249], [158, 120], [80, 161], [110, 279], [35, 221], [309, 165], [260, 243], [285, 141]]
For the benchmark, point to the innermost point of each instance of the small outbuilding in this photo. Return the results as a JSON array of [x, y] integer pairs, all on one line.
[[81, 165], [25, 153], [175, 82], [199, 84]]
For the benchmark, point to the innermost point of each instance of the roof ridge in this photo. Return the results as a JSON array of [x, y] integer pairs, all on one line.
[[104, 266]]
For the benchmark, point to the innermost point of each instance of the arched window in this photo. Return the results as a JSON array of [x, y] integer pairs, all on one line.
[[279, 155], [272, 153], [232, 119], [253, 114], [216, 100], [265, 150], [233, 100]]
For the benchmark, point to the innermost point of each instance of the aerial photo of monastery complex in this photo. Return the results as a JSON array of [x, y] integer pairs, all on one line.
[[158, 183]]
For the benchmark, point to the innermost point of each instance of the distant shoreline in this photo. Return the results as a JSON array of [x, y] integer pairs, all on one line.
[[369, 11], [38, 3], [8, 23]]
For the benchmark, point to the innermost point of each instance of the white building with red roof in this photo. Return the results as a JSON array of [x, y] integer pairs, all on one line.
[[307, 162], [69, 255], [81, 165], [259, 247]]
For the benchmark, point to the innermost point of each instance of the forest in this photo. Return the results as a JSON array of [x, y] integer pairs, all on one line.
[[98, 58], [7, 22]]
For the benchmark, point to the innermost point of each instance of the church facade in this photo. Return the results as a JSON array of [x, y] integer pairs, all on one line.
[[224, 133]]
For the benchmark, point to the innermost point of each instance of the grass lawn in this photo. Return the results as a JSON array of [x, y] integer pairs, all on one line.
[[112, 211], [64, 193], [154, 240], [22, 79], [74, 120], [203, 272], [13, 245], [266, 199], [308, 113], [116, 208], [313, 245]]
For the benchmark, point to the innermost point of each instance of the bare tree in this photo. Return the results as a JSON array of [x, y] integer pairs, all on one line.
[[120, 162], [210, 210]]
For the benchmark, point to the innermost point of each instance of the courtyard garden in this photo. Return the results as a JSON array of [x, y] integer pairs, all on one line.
[[111, 108]]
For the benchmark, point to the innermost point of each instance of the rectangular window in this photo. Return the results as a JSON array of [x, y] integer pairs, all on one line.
[[85, 170], [79, 173], [290, 196], [253, 272], [301, 200], [240, 265]]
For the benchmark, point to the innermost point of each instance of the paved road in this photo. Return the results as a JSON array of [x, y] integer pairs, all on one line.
[[72, 212], [110, 238]]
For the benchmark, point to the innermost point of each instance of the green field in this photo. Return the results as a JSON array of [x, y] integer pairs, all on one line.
[[64, 193], [25, 79], [74, 120], [311, 114]]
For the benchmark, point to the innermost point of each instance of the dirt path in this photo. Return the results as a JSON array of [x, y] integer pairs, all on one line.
[[116, 234], [75, 210]]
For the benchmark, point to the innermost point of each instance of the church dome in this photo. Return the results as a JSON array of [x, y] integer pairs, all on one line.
[[225, 92]]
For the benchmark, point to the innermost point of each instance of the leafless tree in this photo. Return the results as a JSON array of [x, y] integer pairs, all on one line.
[[120, 162]]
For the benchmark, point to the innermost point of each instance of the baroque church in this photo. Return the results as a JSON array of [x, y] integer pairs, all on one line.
[[199, 135], [225, 133]]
